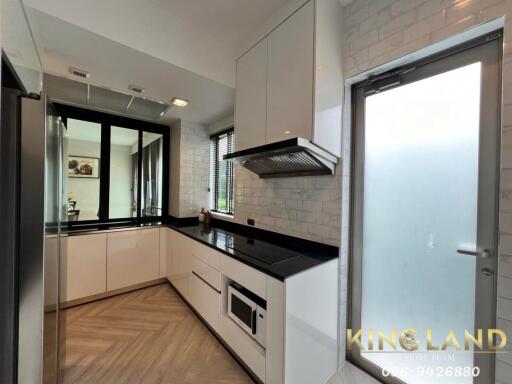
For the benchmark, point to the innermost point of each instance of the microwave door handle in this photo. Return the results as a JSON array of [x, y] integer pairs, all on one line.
[[253, 322]]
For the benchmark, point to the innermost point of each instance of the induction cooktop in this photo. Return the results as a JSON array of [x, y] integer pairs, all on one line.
[[264, 252]]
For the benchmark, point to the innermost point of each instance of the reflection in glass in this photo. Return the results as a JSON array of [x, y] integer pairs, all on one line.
[[52, 241], [151, 198], [82, 145], [123, 172], [420, 206]]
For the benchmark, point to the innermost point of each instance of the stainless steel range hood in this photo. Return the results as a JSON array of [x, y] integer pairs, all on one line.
[[287, 158]]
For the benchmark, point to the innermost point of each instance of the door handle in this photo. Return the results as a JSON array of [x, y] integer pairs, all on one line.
[[253, 325], [485, 253]]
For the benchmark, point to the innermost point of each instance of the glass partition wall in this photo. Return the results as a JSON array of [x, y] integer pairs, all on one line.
[[117, 168], [152, 174]]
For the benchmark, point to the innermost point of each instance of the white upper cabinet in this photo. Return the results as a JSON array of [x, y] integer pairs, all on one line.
[[251, 97], [290, 77], [290, 83]]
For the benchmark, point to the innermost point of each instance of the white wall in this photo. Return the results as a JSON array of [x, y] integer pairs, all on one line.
[[121, 181], [379, 31], [87, 191], [150, 28], [194, 168], [221, 124], [189, 170]]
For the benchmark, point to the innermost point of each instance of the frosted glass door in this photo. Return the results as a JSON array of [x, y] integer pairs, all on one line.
[[420, 204]]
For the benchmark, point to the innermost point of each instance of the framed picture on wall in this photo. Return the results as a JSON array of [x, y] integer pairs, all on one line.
[[84, 167]]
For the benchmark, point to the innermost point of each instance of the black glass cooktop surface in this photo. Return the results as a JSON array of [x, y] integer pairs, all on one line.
[[272, 258]]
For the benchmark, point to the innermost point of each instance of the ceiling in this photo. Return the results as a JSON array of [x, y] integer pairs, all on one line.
[[228, 21], [202, 36], [116, 66]]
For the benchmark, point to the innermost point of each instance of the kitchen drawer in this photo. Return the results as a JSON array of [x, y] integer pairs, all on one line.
[[205, 300], [209, 274], [205, 253], [250, 278]]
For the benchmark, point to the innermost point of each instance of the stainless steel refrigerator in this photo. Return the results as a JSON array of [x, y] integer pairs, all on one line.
[[32, 236]]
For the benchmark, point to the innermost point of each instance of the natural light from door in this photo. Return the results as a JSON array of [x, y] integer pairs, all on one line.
[[420, 206]]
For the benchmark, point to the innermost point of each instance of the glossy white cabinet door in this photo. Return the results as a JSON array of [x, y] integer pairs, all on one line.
[[133, 257], [179, 267], [84, 267], [290, 77], [251, 97], [205, 300], [170, 244], [275, 353], [162, 270]]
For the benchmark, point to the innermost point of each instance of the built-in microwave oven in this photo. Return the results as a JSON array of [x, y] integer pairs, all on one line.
[[249, 311]]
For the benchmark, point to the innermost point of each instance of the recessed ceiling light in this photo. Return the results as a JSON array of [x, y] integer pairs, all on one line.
[[287, 132], [179, 102]]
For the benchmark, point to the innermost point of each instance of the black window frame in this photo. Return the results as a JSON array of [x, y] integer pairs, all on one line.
[[214, 140], [107, 121]]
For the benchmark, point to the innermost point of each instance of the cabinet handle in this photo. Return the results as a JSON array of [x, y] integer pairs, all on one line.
[[207, 283], [253, 322]]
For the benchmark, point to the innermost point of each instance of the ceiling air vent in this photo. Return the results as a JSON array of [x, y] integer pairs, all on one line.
[[79, 72], [136, 88]]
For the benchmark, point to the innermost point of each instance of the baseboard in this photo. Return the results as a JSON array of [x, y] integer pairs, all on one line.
[[104, 295]]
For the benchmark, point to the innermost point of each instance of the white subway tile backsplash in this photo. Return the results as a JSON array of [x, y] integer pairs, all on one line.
[[292, 206], [376, 21], [364, 41], [453, 28], [376, 6], [506, 222], [503, 373], [424, 27], [385, 45], [505, 265], [506, 243], [396, 24], [505, 308], [505, 288]]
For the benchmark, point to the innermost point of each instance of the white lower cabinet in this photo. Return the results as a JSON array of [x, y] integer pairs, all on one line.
[[133, 257], [162, 270], [301, 317], [205, 300], [179, 262], [84, 267], [196, 271]]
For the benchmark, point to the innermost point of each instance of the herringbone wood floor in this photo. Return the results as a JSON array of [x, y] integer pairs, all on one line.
[[147, 336]]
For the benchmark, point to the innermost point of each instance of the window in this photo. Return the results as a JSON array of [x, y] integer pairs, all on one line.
[[152, 174], [221, 172], [124, 169], [117, 167], [82, 143]]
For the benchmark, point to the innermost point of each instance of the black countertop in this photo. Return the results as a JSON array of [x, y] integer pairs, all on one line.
[[279, 256], [274, 254], [87, 229]]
